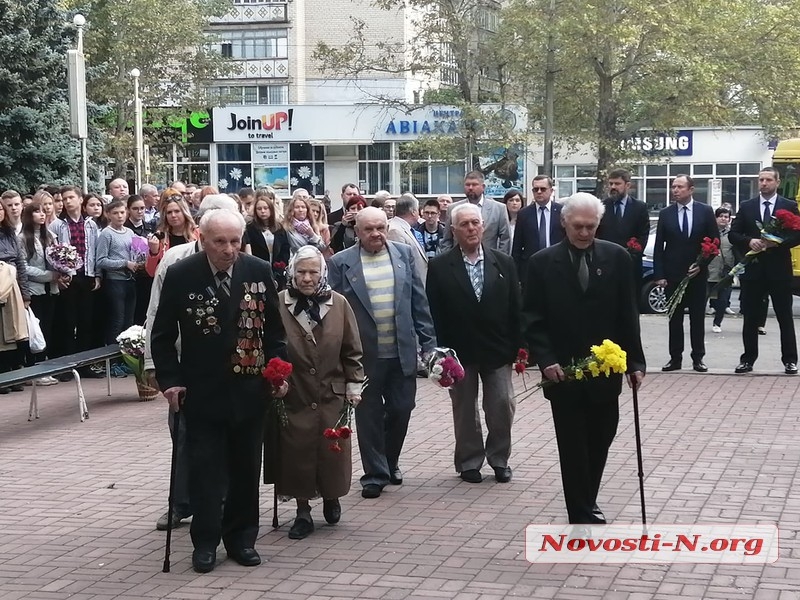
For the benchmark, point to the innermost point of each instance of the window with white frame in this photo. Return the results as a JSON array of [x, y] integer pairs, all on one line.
[[255, 44], [375, 167], [250, 94]]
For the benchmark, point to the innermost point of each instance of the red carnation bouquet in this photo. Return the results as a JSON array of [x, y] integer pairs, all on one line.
[[708, 250], [522, 361], [444, 367], [634, 247], [276, 373], [342, 430], [784, 227]]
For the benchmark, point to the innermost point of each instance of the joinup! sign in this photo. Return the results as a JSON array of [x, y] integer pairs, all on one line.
[[661, 144]]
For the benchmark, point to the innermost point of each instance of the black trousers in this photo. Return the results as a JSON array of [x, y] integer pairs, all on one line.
[[585, 427], [144, 285], [754, 295], [43, 306], [225, 463], [74, 318], [695, 300]]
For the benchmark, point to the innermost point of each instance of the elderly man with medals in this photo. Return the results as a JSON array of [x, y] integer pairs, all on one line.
[[224, 305]]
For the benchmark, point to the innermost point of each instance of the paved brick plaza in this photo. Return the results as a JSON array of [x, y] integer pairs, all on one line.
[[79, 503]]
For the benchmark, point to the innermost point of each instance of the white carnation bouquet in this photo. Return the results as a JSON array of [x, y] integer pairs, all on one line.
[[131, 344]]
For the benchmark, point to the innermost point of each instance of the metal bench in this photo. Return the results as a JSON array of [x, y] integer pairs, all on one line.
[[57, 366]]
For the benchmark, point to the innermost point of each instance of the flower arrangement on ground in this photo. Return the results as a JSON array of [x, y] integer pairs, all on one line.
[[276, 373], [64, 258], [605, 359], [131, 345], [708, 250], [444, 367], [785, 226]]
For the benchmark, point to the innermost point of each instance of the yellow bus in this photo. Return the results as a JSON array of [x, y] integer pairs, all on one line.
[[787, 160]]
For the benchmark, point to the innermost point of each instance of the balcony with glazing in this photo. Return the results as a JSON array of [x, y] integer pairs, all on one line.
[[254, 11]]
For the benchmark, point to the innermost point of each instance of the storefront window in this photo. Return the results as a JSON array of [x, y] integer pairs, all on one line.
[[375, 167], [231, 177], [194, 164], [307, 168]]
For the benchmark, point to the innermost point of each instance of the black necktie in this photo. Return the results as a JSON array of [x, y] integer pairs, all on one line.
[[223, 283], [542, 229], [583, 269], [686, 221], [618, 209], [767, 213]]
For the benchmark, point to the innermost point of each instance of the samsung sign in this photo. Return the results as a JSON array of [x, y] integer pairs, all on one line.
[[662, 144]]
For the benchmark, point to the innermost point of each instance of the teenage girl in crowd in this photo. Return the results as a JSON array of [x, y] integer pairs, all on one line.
[[175, 227], [267, 238], [44, 282], [300, 225]]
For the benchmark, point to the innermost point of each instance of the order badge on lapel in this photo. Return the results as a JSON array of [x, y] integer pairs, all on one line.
[[204, 310], [248, 359]]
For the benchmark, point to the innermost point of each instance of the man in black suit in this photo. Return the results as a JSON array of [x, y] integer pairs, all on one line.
[[625, 218], [348, 191], [224, 305], [679, 233], [579, 293], [538, 225], [770, 274], [461, 284]]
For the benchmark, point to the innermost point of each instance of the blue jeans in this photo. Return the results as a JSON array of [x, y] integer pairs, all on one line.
[[120, 303]]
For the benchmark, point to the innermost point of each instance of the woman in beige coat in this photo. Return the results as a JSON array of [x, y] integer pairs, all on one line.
[[325, 349]]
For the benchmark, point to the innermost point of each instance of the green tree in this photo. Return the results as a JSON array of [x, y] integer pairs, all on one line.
[[628, 67], [35, 146], [166, 41]]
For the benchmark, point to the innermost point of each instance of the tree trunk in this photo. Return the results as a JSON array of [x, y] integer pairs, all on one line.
[[606, 130]]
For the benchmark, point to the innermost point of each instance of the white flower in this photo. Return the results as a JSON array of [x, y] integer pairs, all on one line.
[[434, 377], [304, 172], [314, 180], [294, 181], [437, 369], [247, 180], [236, 173], [222, 184]]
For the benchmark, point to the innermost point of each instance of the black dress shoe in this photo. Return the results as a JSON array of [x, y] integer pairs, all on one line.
[[472, 476], [672, 365], [302, 528], [598, 516], [332, 511], [247, 557], [700, 366], [396, 476], [790, 368], [743, 367], [371, 490], [502, 474], [203, 561]]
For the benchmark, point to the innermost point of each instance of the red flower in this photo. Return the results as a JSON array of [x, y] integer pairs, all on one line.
[[519, 368], [446, 380], [277, 372], [331, 434], [522, 355], [344, 432], [335, 447], [788, 219], [709, 248], [634, 245], [279, 265]]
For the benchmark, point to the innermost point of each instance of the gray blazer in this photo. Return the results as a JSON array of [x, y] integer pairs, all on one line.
[[496, 232], [411, 315]]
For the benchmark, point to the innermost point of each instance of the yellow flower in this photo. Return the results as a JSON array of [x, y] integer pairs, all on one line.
[[578, 374], [594, 369]]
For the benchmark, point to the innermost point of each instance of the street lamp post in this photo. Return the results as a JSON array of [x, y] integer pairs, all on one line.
[[76, 79], [137, 108]]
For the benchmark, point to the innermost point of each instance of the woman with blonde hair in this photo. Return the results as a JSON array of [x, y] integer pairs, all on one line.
[[318, 211], [175, 227], [300, 225], [45, 199]]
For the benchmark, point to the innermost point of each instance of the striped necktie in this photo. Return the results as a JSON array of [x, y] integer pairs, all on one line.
[[223, 283]]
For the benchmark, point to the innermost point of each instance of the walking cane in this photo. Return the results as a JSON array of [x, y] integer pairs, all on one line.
[[635, 388], [176, 425], [277, 463]]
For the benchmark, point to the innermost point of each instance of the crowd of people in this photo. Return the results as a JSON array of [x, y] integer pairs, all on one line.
[[358, 300]]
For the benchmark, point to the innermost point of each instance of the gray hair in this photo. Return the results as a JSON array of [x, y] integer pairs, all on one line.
[[582, 201], [406, 205], [213, 216], [217, 202], [464, 207], [147, 188], [303, 253], [382, 195]]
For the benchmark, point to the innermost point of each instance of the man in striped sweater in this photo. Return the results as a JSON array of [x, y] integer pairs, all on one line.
[[386, 294]]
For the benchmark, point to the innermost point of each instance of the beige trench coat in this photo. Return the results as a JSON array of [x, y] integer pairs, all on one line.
[[324, 361]]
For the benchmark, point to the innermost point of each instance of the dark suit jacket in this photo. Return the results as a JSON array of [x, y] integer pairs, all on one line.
[[674, 253], [774, 264], [635, 223], [562, 321], [526, 234], [485, 333], [205, 364], [280, 250], [412, 317]]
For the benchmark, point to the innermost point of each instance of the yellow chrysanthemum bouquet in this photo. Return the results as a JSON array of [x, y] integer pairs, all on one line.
[[604, 359]]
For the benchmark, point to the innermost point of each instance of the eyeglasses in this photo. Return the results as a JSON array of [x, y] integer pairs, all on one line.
[[540, 189], [430, 214]]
